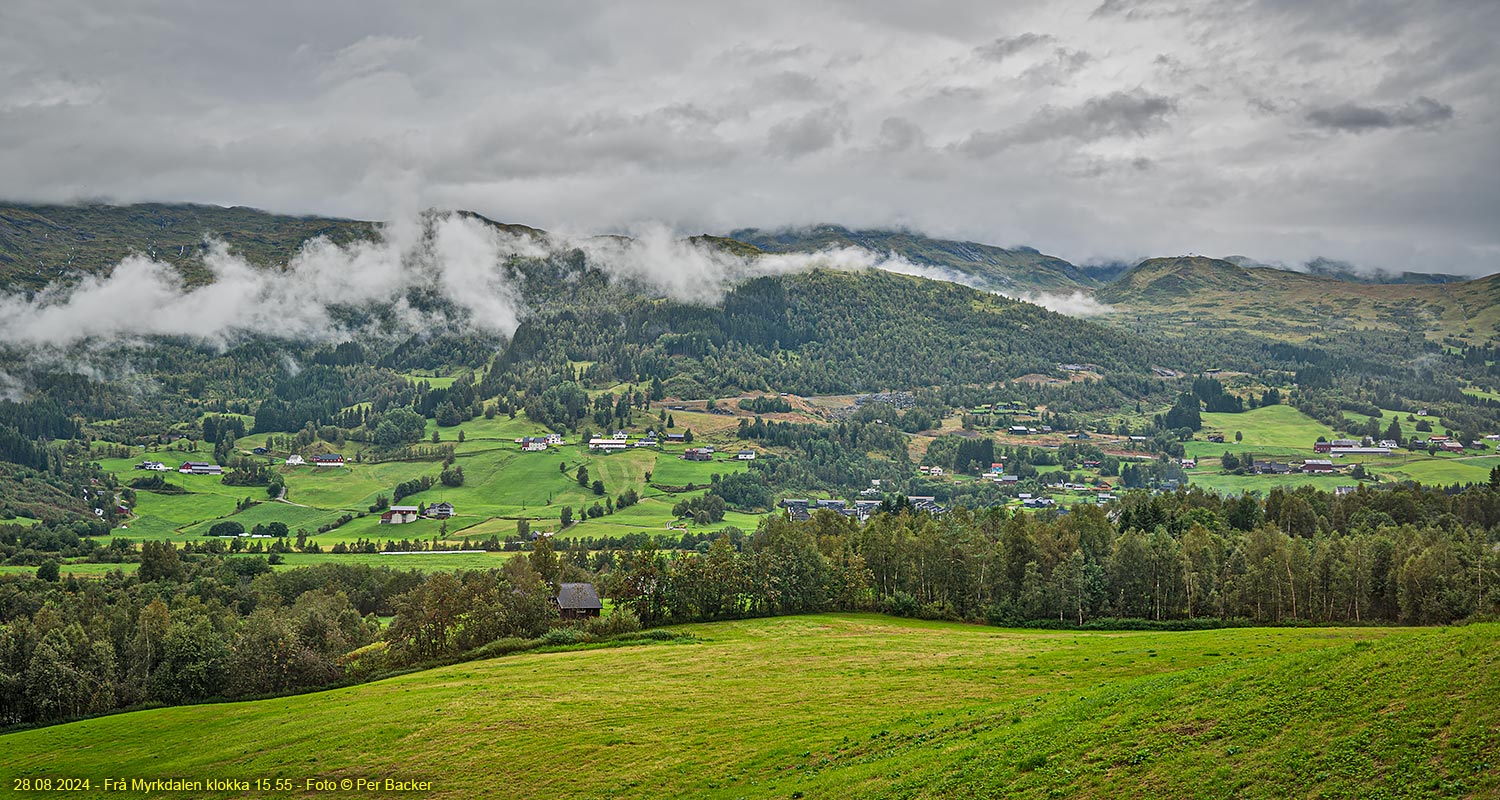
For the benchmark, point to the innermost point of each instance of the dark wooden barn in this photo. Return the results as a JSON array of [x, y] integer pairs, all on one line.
[[578, 601]]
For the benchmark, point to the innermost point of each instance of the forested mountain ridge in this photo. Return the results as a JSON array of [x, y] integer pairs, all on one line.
[[42, 244], [985, 266]]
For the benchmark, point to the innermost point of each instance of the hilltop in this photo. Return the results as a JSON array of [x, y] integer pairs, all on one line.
[[981, 265], [1188, 292], [856, 705]]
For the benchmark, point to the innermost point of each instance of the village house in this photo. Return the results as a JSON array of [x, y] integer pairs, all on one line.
[[697, 454], [647, 442], [153, 466], [440, 510], [745, 455], [1322, 447], [577, 601], [1271, 468], [328, 460], [1189, 463], [554, 439], [295, 460], [200, 468], [676, 437], [533, 444], [400, 515], [1451, 447], [1017, 430], [1340, 491]]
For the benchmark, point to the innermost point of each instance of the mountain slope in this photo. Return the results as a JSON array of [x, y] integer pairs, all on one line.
[[982, 265], [1195, 292]]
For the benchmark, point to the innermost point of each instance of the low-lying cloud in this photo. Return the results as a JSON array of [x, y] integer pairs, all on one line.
[[456, 256]]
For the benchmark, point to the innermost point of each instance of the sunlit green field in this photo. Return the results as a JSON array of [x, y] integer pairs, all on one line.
[[502, 485], [864, 706]]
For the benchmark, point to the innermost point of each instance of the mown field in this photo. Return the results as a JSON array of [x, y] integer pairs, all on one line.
[[865, 706]]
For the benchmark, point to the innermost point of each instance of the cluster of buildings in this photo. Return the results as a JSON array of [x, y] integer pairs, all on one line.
[[799, 509], [400, 515], [323, 460], [536, 444]]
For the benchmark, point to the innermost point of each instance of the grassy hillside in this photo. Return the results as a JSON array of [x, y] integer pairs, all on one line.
[[1195, 293], [984, 265], [864, 706]]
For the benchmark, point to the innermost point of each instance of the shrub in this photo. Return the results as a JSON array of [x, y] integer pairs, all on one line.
[[562, 636], [621, 620], [902, 605]]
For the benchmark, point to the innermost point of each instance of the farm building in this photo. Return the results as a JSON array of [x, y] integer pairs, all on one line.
[[608, 444], [647, 442], [295, 460], [745, 455], [328, 460], [1318, 465], [577, 601], [1271, 468], [400, 515], [1452, 447], [1360, 451], [796, 510], [533, 444], [200, 468], [698, 454], [676, 437]]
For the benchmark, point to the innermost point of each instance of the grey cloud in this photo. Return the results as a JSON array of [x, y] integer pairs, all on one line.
[[1118, 114], [1005, 47], [596, 116], [809, 133], [899, 133], [1423, 111]]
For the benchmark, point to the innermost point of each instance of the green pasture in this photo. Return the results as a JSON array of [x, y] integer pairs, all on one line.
[[863, 706]]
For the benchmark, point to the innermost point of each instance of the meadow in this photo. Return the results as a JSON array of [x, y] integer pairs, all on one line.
[[856, 705], [502, 486]]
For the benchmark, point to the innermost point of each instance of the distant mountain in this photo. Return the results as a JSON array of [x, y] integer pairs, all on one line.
[[1344, 271], [1196, 292], [984, 266]]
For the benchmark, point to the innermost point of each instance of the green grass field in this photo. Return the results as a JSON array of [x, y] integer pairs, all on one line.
[[863, 706], [502, 485]]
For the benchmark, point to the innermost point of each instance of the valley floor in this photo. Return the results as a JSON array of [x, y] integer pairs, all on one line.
[[862, 705]]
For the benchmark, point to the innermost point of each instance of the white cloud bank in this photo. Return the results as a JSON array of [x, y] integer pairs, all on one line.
[[457, 256]]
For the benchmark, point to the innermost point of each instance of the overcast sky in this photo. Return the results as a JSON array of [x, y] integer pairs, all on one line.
[[1278, 129]]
